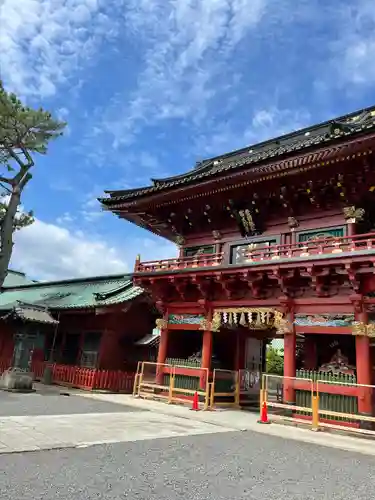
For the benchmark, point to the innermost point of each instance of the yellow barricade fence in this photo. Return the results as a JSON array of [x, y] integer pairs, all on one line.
[[172, 383], [323, 403], [137, 379], [225, 388], [154, 379], [346, 404], [187, 381], [279, 393]]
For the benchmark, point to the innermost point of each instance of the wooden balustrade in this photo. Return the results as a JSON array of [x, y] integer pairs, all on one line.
[[85, 378], [313, 249], [204, 260]]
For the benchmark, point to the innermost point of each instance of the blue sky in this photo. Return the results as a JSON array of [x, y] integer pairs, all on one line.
[[149, 87]]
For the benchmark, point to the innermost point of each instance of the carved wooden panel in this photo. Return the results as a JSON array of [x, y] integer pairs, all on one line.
[[329, 232]]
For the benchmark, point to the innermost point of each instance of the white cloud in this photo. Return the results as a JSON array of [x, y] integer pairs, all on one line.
[[48, 251], [354, 49], [185, 46], [44, 42], [264, 124], [273, 122]]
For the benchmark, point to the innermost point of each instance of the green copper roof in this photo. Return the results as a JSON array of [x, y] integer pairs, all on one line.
[[334, 131], [30, 314], [72, 294], [16, 278]]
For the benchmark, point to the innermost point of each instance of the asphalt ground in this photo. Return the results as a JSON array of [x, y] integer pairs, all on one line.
[[52, 403], [230, 466]]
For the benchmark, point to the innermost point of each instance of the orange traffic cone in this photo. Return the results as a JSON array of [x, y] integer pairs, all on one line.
[[195, 406], [264, 415]]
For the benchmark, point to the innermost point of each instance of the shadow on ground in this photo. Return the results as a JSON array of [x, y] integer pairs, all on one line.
[[53, 400]]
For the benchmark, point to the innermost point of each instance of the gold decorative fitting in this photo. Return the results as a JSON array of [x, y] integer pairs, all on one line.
[[353, 214], [206, 325], [337, 248], [293, 223], [216, 235], [361, 329], [216, 322], [180, 240], [305, 251], [161, 323], [261, 318], [247, 220], [282, 325]]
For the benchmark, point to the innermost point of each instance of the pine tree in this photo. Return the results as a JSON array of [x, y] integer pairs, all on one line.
[[24, 133]]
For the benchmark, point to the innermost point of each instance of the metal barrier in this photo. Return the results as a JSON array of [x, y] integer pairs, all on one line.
[[354, 406], [187, 381], [323, 403], [278, 392], [137, 379], [153, 379], [172, 383], [225, 385]]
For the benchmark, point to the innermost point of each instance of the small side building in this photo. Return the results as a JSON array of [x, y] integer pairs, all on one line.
[[102, 323]]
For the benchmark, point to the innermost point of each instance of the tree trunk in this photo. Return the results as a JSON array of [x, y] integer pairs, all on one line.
[[6, 232]]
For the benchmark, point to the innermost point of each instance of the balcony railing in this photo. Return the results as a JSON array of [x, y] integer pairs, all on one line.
[[308, 250], [204, 260]]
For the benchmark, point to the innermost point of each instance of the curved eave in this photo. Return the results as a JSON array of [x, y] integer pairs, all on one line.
[[124, 192], [255, 168]]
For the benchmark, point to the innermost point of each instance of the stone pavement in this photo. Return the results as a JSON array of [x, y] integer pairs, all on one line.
[[87, 419], [49, 401], [226, 466], [243, 421], [32, 433]]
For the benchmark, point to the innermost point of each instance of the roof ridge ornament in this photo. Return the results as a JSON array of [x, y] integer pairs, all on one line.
[[353, 124], [109, 293]]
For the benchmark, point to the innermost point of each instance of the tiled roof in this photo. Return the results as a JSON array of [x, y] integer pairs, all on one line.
[[72, 294], [16, 278], [358, 122], [150, 340], [30, 313]]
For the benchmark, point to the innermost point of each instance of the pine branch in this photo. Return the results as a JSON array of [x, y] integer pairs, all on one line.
[[24, 132]]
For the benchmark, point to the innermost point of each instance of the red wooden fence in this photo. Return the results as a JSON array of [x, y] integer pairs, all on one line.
[[82, 378]]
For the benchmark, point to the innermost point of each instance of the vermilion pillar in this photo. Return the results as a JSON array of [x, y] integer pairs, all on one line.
[[162, 354], [206, 356], [351, 228], [363, 365], [362, 346], [289, 393], [163, 346]]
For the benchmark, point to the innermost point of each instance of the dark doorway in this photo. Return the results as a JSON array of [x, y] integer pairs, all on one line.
[[72, 348]]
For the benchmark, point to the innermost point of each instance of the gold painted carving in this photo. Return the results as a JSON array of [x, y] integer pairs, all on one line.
[[353, 214], [161, 323], [216, 321], [206, 325], [361, 329], [282, 325], [179, 240], [247, 220], [259, 318], [293, 223]]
